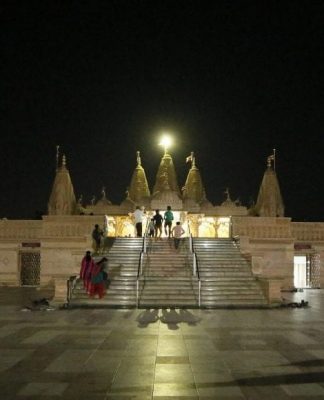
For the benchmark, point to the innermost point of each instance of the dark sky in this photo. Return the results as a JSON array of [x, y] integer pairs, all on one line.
[[231, 80]]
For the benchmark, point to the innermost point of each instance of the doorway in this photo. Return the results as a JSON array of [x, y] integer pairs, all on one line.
[[301, 271]]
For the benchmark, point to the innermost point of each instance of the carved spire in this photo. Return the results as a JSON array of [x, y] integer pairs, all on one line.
[[194, 188], [138, 188], [166, 178], [269, 202], [62, 199]]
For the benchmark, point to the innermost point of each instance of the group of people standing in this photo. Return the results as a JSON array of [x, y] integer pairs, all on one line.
[[155, 225], [94, 275]]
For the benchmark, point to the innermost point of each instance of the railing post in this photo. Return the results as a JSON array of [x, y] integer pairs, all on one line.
[[190, 243], [145, 243], [68, 295], [141, 263], [199, 293], [137, 289], [194, 264]]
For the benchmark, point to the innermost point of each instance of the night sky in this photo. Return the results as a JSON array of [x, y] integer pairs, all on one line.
[[231, 80]]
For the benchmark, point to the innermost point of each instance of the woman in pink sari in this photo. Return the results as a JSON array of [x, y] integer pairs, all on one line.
[[87, 265]]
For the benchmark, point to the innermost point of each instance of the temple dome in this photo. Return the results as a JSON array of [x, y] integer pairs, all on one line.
[[128, 204], [206, 204]]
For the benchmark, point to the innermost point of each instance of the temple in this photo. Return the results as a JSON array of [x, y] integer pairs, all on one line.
[[224, 242]]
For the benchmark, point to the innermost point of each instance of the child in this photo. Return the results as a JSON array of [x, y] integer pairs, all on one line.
[[151, 228]]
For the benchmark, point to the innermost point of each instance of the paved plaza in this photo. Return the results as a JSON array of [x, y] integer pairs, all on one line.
[[161, 354]]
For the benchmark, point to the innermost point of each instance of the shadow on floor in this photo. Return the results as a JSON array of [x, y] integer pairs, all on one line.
[[171, 317]]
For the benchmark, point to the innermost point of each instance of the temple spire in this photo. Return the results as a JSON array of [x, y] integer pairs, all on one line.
[[269, 202], [62, 199], [166, 178], [194, 188], [138, 190]]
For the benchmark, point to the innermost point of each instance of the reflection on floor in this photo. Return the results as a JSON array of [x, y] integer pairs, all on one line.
[[158, 354]]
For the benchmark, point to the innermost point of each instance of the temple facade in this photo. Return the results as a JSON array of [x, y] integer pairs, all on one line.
[[284, 254]]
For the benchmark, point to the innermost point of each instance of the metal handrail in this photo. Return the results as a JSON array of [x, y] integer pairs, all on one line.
[[195, 265], [139, 272], [140, 262], [144, 244]]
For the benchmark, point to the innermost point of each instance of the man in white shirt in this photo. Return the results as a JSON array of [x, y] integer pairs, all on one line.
[[177, 232], [138, 216]]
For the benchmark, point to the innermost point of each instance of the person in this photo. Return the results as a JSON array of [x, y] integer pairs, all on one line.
[[138, 216], [151, 228], [98, 285], [97, 235], [168, 218], [87, 265], [158, 223], [177, 232]]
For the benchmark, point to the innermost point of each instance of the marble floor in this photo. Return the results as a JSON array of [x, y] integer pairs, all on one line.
[[161, 354]]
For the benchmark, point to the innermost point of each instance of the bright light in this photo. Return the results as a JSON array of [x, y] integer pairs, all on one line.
[[166, 141]]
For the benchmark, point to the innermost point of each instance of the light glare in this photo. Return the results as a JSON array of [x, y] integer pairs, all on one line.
[[166, 141]]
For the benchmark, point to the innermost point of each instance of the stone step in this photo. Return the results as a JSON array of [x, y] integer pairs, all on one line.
[[167, 303], [105, 302], [234, 304], [225, 267], [173, 268], [223, 271], [167, 295], [215, 294], [168, 280], [214, 286], [219, 258]]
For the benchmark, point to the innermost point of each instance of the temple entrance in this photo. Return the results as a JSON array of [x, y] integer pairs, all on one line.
[[200, 225], [177, 215], [301, 271]]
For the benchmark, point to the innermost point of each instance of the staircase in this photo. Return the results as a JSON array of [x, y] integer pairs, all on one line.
[[226, 276], [123, 260], [167, 280], [167, 276]]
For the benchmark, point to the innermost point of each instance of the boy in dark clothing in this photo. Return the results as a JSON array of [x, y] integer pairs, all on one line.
[[97, 235], [158, 223]]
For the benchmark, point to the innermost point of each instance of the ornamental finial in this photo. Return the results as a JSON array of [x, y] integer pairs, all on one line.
[[138, 159], [57, 156], [103, 192], [270, 158], [193, 160], [227, 193]]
